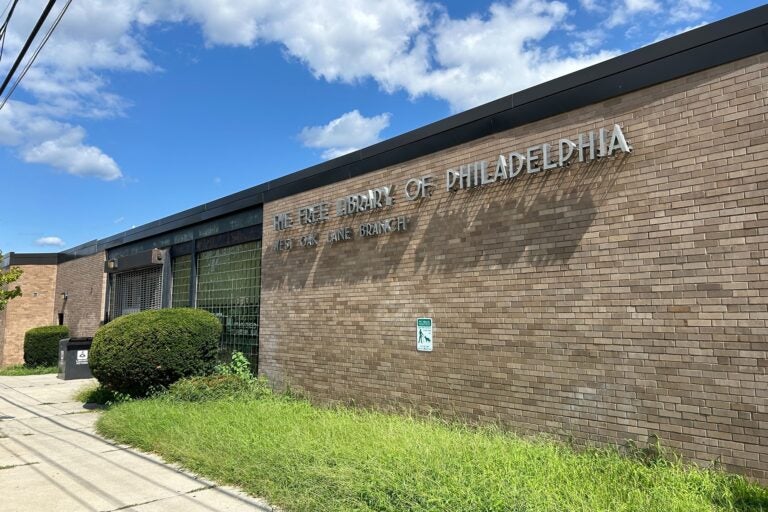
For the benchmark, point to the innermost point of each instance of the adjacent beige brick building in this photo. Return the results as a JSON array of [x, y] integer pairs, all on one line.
[[33, 309], [607, 301], [82, 278]]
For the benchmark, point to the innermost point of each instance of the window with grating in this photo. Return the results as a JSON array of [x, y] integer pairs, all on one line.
[[136, 290], [182, 274], [228, 284]]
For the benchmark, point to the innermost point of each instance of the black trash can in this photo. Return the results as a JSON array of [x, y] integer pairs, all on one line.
[[73, 358]]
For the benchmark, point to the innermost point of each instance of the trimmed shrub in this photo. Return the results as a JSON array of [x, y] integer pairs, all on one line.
[[41, 345], [144, 352]]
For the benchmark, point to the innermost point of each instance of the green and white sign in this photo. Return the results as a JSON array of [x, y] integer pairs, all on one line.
[[424, 334]]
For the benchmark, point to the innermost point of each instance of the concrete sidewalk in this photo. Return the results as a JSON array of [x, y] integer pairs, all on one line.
[[51, 459]]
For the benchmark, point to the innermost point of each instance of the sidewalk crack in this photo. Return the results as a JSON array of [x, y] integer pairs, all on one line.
[[203, 488], [19, 465]]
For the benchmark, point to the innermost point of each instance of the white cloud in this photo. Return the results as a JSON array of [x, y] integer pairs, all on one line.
[[481, 59], [346, 133], [50, 241], [67, 83], [688, 10], [337, 39], [622, 13], [69, 154], [591, 5], [406, 45], [667, 35], [642, 5], [402, 45], [645, 14], [40, 139], [585, 41]]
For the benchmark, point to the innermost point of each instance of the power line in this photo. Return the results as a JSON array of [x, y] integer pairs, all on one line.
[[12, 5], [4, 27], [26, 46], [6, 8], [37, 52]]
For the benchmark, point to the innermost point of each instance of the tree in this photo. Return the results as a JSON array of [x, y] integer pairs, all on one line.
[[8, 276]]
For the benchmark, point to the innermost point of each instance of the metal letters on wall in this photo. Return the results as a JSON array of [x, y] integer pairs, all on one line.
[[584, 148]]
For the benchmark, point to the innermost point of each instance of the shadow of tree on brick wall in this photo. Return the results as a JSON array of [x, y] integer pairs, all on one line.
[[533, 221], [289, 269], [547, 223], [364, 259], [359, 260], [536, 221]]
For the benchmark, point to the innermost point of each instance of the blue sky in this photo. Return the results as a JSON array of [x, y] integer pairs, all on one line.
[[141, 108]]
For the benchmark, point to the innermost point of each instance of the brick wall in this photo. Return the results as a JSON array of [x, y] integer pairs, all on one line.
[[84, 282], [2, 337], [32, 309], [604, 301]]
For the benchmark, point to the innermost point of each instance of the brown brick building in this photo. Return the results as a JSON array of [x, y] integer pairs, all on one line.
[[80, 289], [605, 300], [591, 252]]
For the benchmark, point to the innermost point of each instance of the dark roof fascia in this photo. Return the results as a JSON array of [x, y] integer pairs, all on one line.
[[86, 249], [49, 258], [718, 43], [226, 205], [32, 258]]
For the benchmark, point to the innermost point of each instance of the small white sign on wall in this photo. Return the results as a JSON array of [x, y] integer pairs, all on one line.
[[424, 338]]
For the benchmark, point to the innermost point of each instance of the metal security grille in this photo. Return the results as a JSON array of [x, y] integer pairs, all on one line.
[[228, 284], [135, 290], [182, 275]]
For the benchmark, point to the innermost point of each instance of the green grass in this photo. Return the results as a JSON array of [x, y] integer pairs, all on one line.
[[21, 370], [304, 458]]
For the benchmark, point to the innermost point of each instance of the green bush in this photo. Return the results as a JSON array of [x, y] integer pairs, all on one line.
[[218, 387], [143, 352], [239, 366], [41, 345]]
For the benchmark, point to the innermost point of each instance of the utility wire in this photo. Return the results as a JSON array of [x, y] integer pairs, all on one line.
[[26, 46], [4, 27], [6, 8], [8, 18], [37, 52]]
